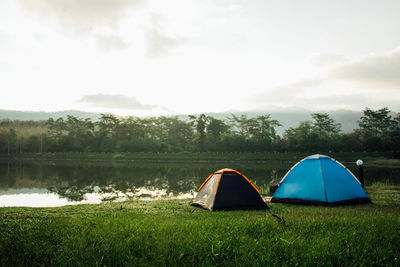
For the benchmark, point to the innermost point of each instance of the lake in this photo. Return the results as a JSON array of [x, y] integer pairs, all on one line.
[[59, 183]]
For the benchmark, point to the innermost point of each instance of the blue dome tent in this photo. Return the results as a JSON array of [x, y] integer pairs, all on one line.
[[319, 179]]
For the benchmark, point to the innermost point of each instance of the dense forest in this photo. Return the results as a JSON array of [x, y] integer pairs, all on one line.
[[377, 131]]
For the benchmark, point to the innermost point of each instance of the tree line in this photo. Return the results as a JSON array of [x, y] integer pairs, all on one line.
[[378, 131]]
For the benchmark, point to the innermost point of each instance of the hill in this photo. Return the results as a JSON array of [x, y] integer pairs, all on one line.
[[43, 115]]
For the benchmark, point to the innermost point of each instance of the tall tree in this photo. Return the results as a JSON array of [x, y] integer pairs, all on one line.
[[301, 138], [200, 124], [80, 133], [241, 125], [375, 123], [216, 127], [56, 128], [12, 141], [3, 140], [215, 130], [176, 133], [375, 128], [266, 127], [57, 132], [324, 125], [106, 134], [108, 124]]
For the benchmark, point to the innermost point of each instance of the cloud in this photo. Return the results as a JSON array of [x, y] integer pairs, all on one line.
[[333, 101], [327, 60], [302, 94], [286, 93], [290, 95], [7, 41], [306, 83], [116, 102], [289, 98], [319, 94], [81, 15], [356, 101], [159, 42], [107, 43], [3, 36], [373, 70], [5, 67], [360, 84]]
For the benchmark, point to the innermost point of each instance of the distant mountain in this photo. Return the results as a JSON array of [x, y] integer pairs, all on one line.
[[42, 115]]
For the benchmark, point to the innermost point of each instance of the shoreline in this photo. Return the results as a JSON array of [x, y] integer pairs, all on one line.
[[379, 157]]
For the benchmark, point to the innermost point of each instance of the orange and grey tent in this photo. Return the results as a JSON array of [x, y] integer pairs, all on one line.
[[228, 189]]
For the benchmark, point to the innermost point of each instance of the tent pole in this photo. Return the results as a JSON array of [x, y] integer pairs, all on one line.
[[361, 175]]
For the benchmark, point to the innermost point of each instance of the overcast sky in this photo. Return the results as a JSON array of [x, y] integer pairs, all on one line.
[[152, 57]]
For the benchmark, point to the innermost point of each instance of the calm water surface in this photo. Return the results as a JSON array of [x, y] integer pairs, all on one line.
[[59, 183]]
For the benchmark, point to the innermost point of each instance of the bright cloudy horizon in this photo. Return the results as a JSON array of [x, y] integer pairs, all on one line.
[[152, 57]]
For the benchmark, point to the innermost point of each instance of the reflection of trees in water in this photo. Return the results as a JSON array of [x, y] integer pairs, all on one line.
[[74, 183], [72, 193], [73, 180], [19, 175]]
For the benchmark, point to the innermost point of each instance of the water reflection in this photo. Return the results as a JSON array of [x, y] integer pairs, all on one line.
[[42, 184]]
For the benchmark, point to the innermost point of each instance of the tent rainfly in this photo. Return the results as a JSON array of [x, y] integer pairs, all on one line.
[[319, 179], [228, 189]]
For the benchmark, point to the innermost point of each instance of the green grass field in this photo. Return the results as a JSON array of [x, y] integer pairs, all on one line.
[[171, 232]]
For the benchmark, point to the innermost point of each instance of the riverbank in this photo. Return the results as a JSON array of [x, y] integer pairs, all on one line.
[[196, 157], [171, 232]]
